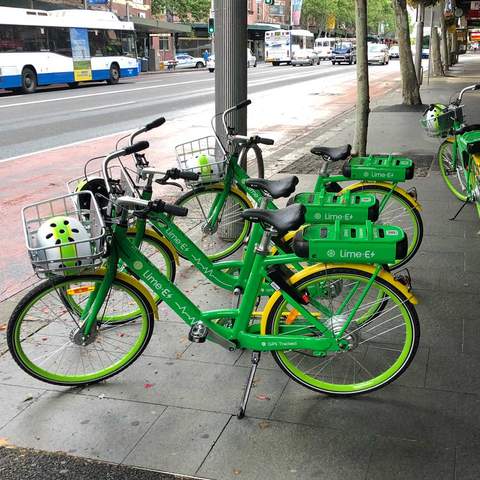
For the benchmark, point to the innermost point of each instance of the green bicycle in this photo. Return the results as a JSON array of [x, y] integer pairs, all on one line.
[[215, 205], [340, 329], [458, 155]]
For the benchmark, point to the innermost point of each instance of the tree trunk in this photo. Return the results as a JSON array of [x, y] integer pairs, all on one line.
[[419, 41], [444, 39], [455, 46], [363, 89], [436, 56], [410, 87]]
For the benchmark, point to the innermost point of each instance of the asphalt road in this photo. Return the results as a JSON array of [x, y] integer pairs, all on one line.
[[57, 116]]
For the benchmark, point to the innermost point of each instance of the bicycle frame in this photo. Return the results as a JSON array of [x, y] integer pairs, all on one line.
[[242, 334]]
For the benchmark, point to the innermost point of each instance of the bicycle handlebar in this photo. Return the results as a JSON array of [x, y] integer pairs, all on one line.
[[155, 124], [471, 88], [132, 203]]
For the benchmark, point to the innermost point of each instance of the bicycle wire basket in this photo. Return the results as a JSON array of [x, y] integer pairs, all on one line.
[[64, 255], [442, 125], [199, 156]]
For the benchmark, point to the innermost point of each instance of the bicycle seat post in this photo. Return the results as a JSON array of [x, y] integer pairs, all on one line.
[[324, 168]]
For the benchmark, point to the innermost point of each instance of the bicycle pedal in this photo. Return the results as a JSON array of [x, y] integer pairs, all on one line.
[[404, 278], [198, 332], [412, 192]]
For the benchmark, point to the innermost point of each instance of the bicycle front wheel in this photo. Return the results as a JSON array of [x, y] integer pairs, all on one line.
[[44, 332], [382, 337], [227, 236], [452, 171], [400, 211]]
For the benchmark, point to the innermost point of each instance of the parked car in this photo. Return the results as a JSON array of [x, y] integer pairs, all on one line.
[[305, 57], [394, 51], [184, 60], [344, 52], [378, 53], [251, 61]]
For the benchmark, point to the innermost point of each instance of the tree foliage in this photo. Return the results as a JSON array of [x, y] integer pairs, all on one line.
[[317, 12], [185, 10]]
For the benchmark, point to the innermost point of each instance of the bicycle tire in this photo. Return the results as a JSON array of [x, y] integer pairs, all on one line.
[[336, 382], [445, 161], [25, 348], [206, 241], [415, 224]]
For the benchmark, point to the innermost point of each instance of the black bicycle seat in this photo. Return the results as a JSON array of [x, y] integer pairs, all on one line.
[[283, 220], [275, 188], [332, 154]]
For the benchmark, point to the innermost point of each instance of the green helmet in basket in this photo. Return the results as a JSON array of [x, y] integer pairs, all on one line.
[[435, 121], [59, 238]]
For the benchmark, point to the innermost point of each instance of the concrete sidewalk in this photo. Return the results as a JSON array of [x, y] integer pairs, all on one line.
[[173, 410]]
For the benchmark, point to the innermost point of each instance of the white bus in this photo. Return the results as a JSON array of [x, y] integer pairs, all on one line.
[[283, 45], [63, 46]]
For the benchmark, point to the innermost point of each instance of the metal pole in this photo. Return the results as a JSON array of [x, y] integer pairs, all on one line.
[[85, 4], [231, 62]]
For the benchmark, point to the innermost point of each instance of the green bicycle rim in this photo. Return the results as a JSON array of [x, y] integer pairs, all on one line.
[[393, 372], [415, 218], [19, 355], [444, 174], [246, 227]]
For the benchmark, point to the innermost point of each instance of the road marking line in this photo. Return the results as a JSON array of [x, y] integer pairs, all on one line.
[[9, 105], [106, 106]]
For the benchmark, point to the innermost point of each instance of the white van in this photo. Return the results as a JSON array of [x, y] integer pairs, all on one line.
[[324, 46]]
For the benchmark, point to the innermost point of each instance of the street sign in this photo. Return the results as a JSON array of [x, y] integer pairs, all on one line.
[[97, 2]]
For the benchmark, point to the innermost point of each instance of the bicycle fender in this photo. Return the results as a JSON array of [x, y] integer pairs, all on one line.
[[135, 284], [388, 277], [162, 240], [397, 189]]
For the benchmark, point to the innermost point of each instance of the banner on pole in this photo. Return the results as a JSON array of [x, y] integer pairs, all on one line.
[[296, 12]]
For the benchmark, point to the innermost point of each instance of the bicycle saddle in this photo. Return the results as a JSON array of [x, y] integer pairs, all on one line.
[[283, 220], [334, 154], [275, 188], [466, 128]]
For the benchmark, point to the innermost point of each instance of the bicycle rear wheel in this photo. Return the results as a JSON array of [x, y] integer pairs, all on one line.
[[44, 333], [382, 337], [453, 172], [401, 212], [228, 235]]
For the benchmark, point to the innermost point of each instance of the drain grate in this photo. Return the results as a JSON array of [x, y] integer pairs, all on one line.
[[310, 164]]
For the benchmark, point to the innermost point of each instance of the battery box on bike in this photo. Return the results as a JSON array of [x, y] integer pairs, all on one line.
[[351, 208], [379, 168], [367, 243]]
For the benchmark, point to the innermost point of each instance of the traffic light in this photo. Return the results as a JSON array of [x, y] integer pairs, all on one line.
[[211, 25], [270, 2]]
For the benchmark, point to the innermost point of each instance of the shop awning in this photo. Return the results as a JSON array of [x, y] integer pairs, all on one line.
[[148, 25]]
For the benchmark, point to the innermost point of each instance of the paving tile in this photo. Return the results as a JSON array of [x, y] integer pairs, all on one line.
[[181, 383], [397, 459], [88, 427], [169, 339], [178, 441], [467, 427], [12, 374], [455, 372], [437, 260], [14, 400], [257, 450], [211, 353], [467, 463], [395, 411]]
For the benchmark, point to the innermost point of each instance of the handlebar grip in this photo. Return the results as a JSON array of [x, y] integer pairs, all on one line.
[[136, 147], [189, 175], [155, 124], [175, 210], [477, 86], [243, 104], [161, 206], [265, 141]]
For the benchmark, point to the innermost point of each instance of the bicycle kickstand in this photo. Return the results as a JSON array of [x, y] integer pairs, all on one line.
[[248, 386], [460, 209]]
